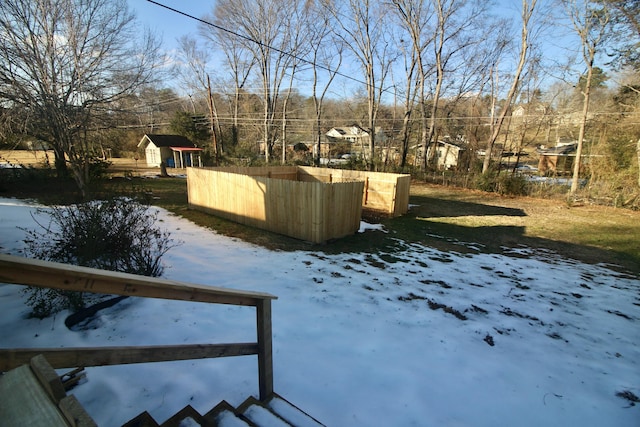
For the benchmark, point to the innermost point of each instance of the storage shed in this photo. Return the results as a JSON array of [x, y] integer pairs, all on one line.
[[175, 151], [448, 154], [557, 160]]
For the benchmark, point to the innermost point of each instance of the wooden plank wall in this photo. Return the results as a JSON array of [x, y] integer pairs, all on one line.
[[383, 192], [313, 211], [276, 172]]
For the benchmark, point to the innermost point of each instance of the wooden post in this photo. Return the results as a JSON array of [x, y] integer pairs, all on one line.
[[366, 190], [394, 194], [265, 350]]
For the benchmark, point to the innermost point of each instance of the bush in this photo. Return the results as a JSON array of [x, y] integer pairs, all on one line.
[[98, 168], [504, 183], [485, 182], [512, 185], [118, 234]]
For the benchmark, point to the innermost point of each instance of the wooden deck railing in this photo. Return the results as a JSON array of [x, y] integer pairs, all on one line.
[[25, 271]]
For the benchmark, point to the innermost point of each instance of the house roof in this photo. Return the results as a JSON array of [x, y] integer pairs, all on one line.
[[185, 149], [459, 144], [352, 133], [167, 141], [559, 150], [353, 130]]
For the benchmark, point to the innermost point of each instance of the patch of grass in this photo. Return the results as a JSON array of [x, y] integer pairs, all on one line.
[[447, 309], [489, 340], [477, 309], [589, 233], [411, 297], [433, 305], [440, 283], [629, 396], [375, 263]]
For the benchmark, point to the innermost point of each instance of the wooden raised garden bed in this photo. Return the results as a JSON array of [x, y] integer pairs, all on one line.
[[312, 204]]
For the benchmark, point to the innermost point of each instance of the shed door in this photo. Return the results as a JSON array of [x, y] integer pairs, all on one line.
[[153, 156]]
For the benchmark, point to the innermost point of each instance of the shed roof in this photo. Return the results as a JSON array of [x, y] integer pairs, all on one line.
[[185, 149], [458, 144], [166, 141], [561, 150]]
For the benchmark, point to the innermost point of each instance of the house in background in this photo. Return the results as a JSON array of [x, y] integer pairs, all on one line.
[[558, 159], [175, 151], [448, 154], [348, 140]]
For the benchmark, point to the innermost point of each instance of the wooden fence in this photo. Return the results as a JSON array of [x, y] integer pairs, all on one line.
[[386, 193], [313, 204], [311, 211], [24, 271]]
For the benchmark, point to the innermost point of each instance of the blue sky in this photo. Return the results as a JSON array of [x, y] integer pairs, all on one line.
[[168, 24], [172, 25]]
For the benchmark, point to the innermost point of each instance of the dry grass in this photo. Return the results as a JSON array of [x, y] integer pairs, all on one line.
[[586, 232]]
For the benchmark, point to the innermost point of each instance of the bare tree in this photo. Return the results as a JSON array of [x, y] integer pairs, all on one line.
[[461, 28], [300, 46], [625, 18], [590, 21], [195, 76], [264, 29], [326, 57], [526, 127], [63, 62], [453, 42], [409, 99], [364, 30], [192, 64], [415, 18], [239, 62], [528, 9]]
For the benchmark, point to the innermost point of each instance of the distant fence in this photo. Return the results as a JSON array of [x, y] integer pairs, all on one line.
[[26, 157], [311, 211]]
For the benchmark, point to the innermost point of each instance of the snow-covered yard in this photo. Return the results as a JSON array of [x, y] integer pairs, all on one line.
[[415, 337]]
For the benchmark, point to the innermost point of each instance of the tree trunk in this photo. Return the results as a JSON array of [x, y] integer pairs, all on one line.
[[60, 162], [284, 130], [527, 11], [405, 138], [266, 128], [212, 122], [439, 39], [285, 102], [429, 140], [583, 125]]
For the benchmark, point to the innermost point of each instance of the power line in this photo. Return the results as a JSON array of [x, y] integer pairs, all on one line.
[[336, 72]]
